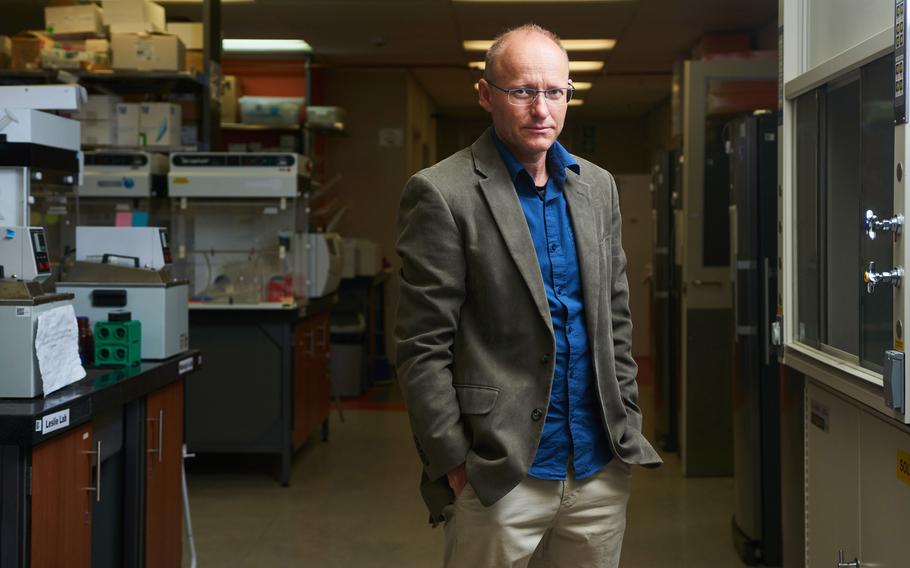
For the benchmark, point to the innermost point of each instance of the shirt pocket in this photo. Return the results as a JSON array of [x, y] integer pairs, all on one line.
[[476, 399]]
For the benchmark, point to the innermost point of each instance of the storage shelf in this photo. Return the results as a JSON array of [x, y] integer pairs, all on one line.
[[260, 127], [114, 81]]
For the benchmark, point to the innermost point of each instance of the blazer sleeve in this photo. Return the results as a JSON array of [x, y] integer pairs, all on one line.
[[432, 291], [626, 367]]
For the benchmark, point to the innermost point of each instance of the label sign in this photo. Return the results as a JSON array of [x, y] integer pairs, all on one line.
[[819, 416], [185, 366], [51, 422], [903, 466], [900, 57]]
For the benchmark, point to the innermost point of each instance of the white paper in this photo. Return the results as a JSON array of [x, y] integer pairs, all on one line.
[[57, 347]]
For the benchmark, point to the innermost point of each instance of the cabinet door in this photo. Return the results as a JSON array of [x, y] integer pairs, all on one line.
[[321, 387], [885, 493], [62, 495], [832, 469], [303, 355], [163, 493]]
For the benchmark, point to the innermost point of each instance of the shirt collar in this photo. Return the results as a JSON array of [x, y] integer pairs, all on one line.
[[558, 160]]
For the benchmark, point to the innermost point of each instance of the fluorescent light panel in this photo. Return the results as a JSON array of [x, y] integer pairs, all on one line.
[[576, 102], [578, 66], [266, 46], [538, 1], [569, 44]]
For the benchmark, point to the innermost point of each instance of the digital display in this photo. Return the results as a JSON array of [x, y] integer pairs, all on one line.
[[40, 243], [126, 160]]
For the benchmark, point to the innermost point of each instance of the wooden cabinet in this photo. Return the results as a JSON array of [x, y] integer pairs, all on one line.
[[163, 490], [311, 377], [63, 493]]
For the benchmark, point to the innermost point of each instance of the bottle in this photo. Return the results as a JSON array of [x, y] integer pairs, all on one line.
[[86, 341]]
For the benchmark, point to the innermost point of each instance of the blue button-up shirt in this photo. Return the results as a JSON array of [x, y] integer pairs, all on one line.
[[574, 426]]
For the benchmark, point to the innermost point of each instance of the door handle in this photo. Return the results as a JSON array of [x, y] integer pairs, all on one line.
[[158, 450], [97, 488]]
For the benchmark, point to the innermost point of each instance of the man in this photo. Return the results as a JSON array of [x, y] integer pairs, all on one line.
[[514, 333]]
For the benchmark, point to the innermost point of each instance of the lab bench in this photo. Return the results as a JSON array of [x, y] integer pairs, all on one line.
[[265, 388], [91, 475]]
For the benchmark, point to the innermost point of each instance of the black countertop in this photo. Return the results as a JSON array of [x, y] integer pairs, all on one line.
[[22, 421]]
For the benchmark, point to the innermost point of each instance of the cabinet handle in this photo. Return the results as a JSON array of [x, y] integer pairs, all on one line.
[[97, 488], [841, 563], [160, 421]]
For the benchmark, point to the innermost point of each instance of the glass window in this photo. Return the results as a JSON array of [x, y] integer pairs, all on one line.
[[844, 158]]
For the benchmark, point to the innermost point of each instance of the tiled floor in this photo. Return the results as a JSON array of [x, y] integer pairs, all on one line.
[[353, 502]]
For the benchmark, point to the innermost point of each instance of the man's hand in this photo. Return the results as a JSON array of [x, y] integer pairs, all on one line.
[[458, 478]]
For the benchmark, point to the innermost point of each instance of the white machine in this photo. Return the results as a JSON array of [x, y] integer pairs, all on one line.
[[24, 265], [324, 261], [40, 163], [144, 286], [141, 247], [122, 174], [233, 175]]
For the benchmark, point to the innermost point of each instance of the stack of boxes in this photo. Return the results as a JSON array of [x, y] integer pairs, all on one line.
[[118, 341], [109, 122]]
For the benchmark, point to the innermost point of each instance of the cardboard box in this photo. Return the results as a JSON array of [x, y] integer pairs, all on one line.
[[128, 124], [159, 124], [194, 62], [99, 107], [6, 52], [230, 94], [99, 132], [26, 51], [190, 33], [81, 20], [134, 16], [147, 52]]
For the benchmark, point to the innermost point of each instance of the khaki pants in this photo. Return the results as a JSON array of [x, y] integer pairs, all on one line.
[[543, 524]]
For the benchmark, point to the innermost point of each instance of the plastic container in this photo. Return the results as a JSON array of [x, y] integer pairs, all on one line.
[[281, 111], [347, 354]]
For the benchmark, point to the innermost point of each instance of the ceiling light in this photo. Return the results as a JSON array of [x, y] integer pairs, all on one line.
[[578, 66], [576, 102], [200, 1], [569, 44], [266, 45], [582, 85]]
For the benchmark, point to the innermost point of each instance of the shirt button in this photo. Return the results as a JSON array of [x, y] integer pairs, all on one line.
[[536, 415], [552, 248], [545, 359]]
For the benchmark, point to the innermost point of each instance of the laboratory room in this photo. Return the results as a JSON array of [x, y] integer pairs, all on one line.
[[454, 284]]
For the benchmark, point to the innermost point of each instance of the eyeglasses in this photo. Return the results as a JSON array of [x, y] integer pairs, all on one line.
[[525, 96]]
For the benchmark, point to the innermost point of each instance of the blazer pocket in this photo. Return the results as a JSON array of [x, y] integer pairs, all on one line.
[[474, 399]]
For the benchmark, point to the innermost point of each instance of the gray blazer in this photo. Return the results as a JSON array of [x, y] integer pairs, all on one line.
[[474, 338]]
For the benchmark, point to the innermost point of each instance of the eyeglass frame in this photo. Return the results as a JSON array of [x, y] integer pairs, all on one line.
[[570, 92]]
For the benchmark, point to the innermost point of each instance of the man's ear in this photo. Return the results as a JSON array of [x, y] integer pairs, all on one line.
[[485, 95]]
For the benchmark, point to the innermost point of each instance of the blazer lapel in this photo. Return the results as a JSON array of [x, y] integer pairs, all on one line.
[[584, 226], [499, 191]]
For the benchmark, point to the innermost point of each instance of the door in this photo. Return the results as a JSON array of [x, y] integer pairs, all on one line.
[[715, 92], [63, 493], [832, 478], [164, 471]]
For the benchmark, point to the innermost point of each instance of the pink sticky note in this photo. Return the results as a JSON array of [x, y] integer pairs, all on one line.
[[123, 219]]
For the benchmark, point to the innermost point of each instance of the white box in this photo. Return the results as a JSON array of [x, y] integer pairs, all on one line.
[[190, 33], [128, 125], [147, 52], [99, 132], [99, 107], [43, 97], [134, 16], [97, 45], [159, 124], [78, 20]]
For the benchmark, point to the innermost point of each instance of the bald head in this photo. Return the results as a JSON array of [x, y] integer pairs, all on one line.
[[503, 41]]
